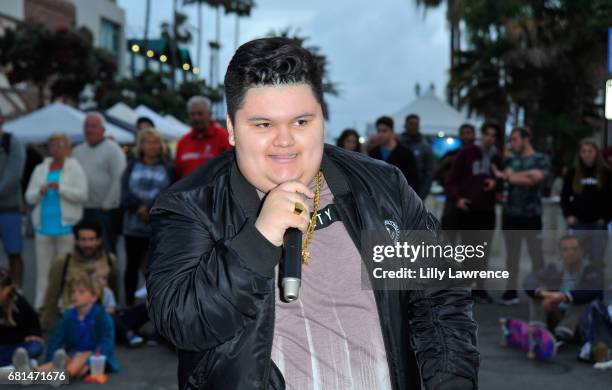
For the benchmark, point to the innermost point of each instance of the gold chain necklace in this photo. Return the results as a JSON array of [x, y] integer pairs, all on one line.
[[313, 221]]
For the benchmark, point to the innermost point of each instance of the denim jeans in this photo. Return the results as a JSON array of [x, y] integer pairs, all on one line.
[[34, 348]]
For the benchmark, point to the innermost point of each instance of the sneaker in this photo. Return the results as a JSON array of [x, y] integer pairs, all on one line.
[[600, 352], [509, 298], [59, 361], [564, 334], [135, 341], [21, 362], [481, 296]]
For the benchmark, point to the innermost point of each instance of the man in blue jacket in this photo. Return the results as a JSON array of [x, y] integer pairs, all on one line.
[[560, 296]]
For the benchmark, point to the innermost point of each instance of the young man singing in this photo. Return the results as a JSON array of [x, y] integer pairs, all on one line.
[[217, 244]]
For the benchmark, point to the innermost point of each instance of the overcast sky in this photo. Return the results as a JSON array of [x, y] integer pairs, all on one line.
[[377, 51]]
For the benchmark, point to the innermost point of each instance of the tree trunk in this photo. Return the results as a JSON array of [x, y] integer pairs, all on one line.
[[41, 95], [173, 48], [199, 55], [146, 33], [237, 32]]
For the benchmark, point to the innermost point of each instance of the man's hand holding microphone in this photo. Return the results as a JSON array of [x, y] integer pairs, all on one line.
[[282, 220]]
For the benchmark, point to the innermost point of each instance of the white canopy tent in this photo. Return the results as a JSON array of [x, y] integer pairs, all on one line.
[[167, 128], [123, 112], [178, 123], [437, 117], [38, 125]]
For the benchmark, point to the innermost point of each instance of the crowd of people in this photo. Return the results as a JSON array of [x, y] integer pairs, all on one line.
[[81, 199], [477, 176]]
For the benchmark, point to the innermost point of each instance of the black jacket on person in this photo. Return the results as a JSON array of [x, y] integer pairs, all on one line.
[[211, 286], [403, 158], [26, 323], [593, 202]]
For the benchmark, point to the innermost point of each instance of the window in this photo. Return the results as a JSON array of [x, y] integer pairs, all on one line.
[[109, 37]]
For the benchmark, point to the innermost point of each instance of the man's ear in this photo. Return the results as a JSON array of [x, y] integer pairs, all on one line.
[[230, 130]]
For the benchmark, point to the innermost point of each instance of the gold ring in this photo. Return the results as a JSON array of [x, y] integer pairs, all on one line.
[[298, 208]]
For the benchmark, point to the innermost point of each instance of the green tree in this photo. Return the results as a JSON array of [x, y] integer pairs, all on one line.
[[151, 89], [63, 61], [543, 59]]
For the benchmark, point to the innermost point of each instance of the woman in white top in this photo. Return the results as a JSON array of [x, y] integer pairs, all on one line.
[[57, 189]]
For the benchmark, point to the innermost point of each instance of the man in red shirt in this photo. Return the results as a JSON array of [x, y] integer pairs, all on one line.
[[206, 140]]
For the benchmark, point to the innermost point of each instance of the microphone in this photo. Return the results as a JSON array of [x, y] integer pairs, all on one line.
[[292, 264]]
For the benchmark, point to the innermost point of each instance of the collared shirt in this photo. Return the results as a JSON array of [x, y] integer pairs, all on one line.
[[194, 150]]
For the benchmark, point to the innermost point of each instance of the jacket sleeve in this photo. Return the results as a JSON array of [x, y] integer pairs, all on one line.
[[455, 175], [74, 188], [178, 166], [10, 180], [128, 200], [410, 169], [442, 326], [203, 291], [117, 166], [107, 341], [32, 194], [428, 168], [31, 323]]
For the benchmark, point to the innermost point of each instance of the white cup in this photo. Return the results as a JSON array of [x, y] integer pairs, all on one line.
[[97, 365]]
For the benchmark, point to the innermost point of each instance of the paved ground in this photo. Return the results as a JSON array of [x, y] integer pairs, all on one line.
[[154, 368]]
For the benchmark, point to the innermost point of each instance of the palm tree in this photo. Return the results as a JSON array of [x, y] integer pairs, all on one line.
[[240, 8], [329, 87], [453, 16], [146, 31]]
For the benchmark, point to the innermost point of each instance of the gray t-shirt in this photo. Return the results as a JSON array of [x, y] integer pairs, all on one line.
[[525, 201], [330, 338]]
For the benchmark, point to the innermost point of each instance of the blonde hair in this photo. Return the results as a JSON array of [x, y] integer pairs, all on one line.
[[149, 132], [60, 137], [90, 283]]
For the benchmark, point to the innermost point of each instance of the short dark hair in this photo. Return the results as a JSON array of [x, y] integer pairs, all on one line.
[[345, 134], [87, 224], [523, 131], [467, 126], [490, 124], [270, 61], [385, 120], [568, 237], [412, 116], [144, 119]]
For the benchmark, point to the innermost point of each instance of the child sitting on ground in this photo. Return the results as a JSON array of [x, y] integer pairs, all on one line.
[[85, 329]]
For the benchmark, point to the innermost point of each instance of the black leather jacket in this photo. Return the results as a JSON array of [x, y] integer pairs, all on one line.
[[211, 287]]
